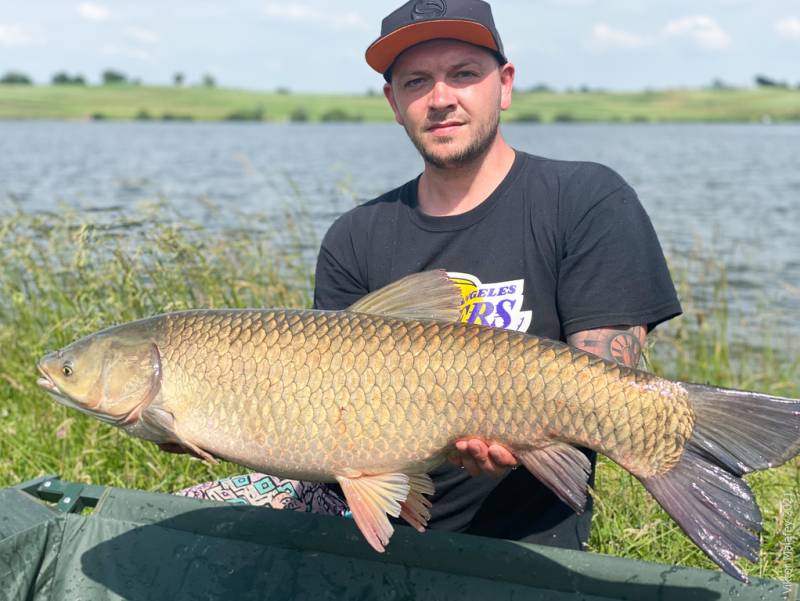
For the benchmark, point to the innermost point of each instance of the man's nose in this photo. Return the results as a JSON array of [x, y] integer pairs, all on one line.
[[442, 97]]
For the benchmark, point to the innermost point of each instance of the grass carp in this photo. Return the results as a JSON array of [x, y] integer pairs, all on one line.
[[376, 396]]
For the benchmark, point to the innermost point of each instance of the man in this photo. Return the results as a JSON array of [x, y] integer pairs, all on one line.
[[558, 249]]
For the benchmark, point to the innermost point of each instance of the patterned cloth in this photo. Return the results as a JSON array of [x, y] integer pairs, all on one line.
[[278, 493]]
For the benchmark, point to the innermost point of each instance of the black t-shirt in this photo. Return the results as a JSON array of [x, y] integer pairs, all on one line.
[[557, 248]]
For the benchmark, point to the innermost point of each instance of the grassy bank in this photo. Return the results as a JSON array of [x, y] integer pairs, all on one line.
[[65, 276], [209, 104]]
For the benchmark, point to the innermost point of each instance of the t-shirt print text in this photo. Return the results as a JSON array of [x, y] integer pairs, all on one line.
[[498, 305]]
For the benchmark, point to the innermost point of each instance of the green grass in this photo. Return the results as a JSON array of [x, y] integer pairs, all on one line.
[[65, 275], [202, 104]]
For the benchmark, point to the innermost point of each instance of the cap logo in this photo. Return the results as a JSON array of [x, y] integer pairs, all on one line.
[[428, 9]]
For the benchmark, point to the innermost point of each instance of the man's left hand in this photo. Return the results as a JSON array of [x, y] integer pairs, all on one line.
[[479, 457]]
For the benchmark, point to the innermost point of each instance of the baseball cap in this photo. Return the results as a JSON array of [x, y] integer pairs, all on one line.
[[418, 21]]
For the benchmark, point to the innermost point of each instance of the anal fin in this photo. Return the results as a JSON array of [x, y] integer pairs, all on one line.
[[564, 469], [373, 497], [416, 509]]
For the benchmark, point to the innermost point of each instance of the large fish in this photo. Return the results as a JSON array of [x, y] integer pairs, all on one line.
[[376, 396]]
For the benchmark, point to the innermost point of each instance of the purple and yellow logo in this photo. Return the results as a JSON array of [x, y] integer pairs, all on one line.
[[498, 305]]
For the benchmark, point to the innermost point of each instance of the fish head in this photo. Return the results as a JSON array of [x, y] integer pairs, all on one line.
[[109, 376]]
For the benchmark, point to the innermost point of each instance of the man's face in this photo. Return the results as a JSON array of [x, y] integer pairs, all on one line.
[[448, 95]]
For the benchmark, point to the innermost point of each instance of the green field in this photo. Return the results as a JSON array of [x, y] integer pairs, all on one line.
[[204, 104], [65, 275]]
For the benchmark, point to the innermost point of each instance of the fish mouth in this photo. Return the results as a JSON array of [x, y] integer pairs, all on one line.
[[46, 381]]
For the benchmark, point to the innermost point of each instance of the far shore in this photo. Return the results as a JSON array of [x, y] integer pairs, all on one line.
[[162, 103]]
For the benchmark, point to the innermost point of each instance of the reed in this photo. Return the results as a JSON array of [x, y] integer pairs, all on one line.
[[66, 274]]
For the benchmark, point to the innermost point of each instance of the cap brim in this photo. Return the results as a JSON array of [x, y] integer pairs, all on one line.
[[382, 53]]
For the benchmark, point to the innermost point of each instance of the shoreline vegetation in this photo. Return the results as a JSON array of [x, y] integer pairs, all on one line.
[[128, 102], [67, 274]]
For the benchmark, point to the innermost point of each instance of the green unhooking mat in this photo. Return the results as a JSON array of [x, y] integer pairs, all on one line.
[[149, 547]]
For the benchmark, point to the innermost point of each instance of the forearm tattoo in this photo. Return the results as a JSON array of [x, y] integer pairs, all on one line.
[[622, 344]]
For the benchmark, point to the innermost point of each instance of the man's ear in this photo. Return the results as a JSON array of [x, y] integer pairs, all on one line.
[[507, 73], [389, 93]]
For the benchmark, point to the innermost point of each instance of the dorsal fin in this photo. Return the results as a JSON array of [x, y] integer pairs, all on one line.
[[425, 295]]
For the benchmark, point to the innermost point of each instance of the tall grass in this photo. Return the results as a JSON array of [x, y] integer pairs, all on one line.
[[64, 275]]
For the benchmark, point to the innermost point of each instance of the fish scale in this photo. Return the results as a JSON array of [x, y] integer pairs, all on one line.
[[545, 390]]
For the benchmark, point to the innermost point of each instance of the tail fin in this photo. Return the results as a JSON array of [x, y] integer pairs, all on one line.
[[735, 433]]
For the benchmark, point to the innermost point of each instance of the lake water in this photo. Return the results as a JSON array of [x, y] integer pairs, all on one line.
[[727, 191]]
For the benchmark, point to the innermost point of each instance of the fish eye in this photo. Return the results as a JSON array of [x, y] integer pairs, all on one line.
[[67, 370]]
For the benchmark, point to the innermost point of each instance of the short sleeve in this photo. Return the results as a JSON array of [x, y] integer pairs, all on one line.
[[338, 280], [612, 269]]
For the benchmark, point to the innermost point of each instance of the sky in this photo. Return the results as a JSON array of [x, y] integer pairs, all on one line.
[[318, 45]]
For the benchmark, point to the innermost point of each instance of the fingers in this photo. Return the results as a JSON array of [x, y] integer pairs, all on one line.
[[479, 457], [470, 453], [502, 456]]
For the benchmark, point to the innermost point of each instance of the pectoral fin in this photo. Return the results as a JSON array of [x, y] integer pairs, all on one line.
[[372, 497], [162, 423], [563, 469]]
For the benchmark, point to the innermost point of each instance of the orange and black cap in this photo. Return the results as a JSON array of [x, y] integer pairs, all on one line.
[[418, 21]]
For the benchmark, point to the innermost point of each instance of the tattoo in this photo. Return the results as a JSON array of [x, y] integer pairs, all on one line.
[[622, 344]]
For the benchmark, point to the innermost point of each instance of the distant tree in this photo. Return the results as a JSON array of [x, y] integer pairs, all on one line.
[[719, 84], [16, 78], [540, 88], [284, 91], [177, 79], [564, 118], [767, 82], [371, 93], [299, 115], [111, 77], [63, 79], [209, 81], [335, 115], [528, 117], [253, 114]]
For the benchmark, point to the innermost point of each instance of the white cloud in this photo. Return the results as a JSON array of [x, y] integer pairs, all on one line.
[[300, 12], [788, 27], [17, 35], [145, 36], [93, 12], [705, 31], [603, 35]]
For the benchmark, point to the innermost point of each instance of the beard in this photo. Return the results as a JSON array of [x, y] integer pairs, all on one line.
[[474, 149]]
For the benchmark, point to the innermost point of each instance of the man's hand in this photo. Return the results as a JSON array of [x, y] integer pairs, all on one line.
[[479, 457]]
